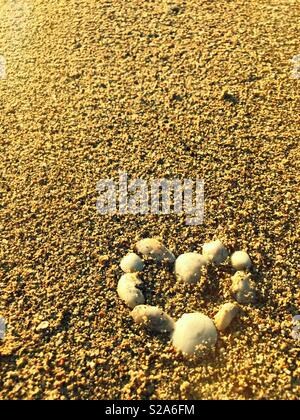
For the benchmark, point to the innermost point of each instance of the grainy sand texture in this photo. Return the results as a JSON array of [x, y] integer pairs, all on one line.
[[159, 89]]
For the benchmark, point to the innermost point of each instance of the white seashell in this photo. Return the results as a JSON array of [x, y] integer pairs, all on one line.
[[215, 251], [153, 318], [132, 263], [241, 287], [226, 315], [128, 291], [154, 249], [240, 281], [240, 260], [194, 332], [189, 267], [132, 278]]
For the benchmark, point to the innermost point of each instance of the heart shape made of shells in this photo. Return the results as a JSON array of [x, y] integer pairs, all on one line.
[[193, 332]]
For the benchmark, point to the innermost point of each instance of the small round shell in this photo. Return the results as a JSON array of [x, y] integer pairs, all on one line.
[[193, 333], [226, 315], [152, 248], [153, 318], [240, 260], [128, 292], [215, 251], [189, 267], [241, 287], [132, 263]]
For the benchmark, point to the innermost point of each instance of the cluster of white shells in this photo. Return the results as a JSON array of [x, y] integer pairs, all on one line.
[[193, 332]]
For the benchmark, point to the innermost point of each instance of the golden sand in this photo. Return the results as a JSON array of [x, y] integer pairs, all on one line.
[[202, 90]]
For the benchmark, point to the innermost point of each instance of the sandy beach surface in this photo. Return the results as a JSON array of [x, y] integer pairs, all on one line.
[[159, 89]]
